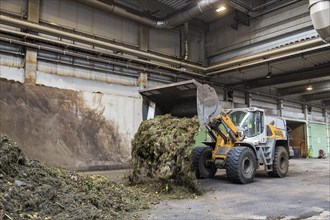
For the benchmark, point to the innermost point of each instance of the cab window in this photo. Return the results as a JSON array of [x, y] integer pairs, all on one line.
[[251, 122]]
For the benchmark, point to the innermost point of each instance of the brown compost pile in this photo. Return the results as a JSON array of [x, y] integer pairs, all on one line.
[[50, 121], [161, 151], [32, 190]]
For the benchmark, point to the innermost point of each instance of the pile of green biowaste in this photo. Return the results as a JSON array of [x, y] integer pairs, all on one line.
[[161, 169], [161, 152], [32, 190]]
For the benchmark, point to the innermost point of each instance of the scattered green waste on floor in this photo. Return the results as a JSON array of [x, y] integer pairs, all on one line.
[[161, 151], [161, 169], [32, 190]]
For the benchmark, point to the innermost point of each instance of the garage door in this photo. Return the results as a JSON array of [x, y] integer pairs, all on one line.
[[318, 138]]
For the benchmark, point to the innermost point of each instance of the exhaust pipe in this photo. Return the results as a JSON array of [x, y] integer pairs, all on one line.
[[320, 14]]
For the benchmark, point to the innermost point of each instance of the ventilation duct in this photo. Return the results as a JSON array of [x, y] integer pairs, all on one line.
[[320, 14], [173, 21]]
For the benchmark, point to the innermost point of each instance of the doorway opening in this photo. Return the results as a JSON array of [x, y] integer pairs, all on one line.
[[297, 138]]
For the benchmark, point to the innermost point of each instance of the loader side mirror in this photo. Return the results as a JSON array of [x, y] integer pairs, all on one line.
[[241, 132], [241, 135]]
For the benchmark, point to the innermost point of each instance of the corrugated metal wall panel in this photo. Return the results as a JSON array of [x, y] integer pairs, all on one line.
[[164, 41], [80, 17], [14, 6], [11, 61], [195, 51]]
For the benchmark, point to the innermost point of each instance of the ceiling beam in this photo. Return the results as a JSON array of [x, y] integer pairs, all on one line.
[[298, 75], [301, 89], [326, 102], [316, 96]]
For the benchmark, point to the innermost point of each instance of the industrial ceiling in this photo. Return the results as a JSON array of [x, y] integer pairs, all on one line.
[[290, 75], [288, 68]]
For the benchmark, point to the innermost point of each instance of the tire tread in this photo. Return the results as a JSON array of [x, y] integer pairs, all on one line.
[[232, 165]]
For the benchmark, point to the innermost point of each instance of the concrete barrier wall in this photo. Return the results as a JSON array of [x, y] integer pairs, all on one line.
[[69, 122]]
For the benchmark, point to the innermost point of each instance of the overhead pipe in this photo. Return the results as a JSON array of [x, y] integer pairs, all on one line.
[[108, 80], [171, 22], [320, 47], [113, 9], [320, 14], [209, 70], [100, 78], [91, 50], [264, 55], [184, 16], [107, 45], [203, 81], [86, 57]]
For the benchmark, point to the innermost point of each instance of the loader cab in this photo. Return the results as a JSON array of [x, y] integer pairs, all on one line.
[[252, 122]]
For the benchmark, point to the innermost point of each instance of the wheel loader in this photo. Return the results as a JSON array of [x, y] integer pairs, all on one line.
[[239, 140]]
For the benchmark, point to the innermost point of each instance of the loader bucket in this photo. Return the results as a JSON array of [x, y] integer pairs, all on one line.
[[182, 99]]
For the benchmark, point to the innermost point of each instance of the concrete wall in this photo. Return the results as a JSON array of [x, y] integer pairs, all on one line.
[[116, 111]]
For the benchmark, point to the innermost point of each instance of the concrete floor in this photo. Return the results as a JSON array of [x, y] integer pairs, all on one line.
[[303, 194]]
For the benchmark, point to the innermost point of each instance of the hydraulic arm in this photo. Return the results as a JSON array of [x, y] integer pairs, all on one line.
[[228, 132]]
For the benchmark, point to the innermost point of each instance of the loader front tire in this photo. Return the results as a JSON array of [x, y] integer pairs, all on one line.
[[241, 165], [202, 157], [280, 163], [196, 154]]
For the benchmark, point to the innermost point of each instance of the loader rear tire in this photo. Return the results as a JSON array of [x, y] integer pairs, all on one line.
[[201, 161], [241, 165], [280, 163]]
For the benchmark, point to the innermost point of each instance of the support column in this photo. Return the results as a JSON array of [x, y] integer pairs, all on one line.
[[202, 55], [143, 80], [305, 110], [30, 66], [325, 115], [280, 107], [248, 99], [30, 54], [184, 41], [143, 38]]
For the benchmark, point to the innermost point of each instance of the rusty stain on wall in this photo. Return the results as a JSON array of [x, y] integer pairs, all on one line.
[[54, 126]]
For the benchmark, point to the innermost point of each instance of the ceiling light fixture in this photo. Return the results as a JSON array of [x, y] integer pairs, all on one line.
[[309, 88], [269, 74], [221, 8]]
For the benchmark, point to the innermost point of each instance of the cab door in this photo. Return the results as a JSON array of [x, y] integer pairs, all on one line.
[[255, 127], [261, 127]]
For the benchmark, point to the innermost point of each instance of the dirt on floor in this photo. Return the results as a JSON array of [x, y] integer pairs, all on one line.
[[54, 126]]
